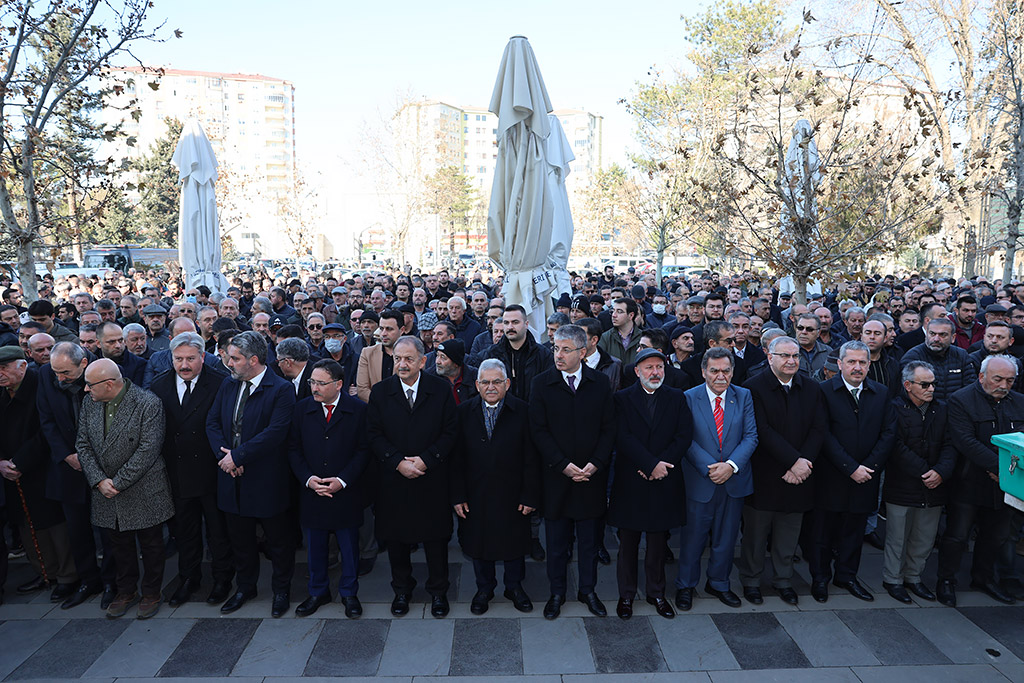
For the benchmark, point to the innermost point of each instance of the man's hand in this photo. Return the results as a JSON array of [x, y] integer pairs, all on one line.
[[226, 463], [660, 470], [574, 473], [462, 509], [106, 487], [802, 469], [526, 509], [331, 486], [862, 474], [719, 472], [72, 461], [9, 471], [791, 478], [589, 470], [418, 463], [408, 470], [932, 479]]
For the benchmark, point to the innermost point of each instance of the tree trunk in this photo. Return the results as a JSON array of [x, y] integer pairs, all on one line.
[[661, 262], [27, 268], [799, 288]]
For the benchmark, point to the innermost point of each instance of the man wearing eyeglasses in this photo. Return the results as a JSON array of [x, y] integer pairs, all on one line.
[[915, 483], [293, 362], [813, 352]]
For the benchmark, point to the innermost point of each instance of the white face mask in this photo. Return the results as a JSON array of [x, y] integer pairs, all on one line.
[[333, 345], [659, 309]]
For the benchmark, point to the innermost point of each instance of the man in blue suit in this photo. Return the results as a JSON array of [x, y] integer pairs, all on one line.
[[248, 429], [717, 477], [328, 452]]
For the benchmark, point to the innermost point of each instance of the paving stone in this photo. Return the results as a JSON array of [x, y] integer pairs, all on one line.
[[559, 646], [958, 637], [651, 677], [1013, 672], [825, 639], [142, 649], [962, 673], [420, 647], [836, 675], [692, 642], [211, 648], [489, 647], [758, 641], [349, 648], [891, 638], [624, 646], [72, 649], [22, 638], [1002, 623], [279, 648]]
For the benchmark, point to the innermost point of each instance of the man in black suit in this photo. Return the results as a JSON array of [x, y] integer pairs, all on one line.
[[861, 434], [248, 429], [187, 392], [411, 426], [328, 455], [495, 485], [295, 364], [790, 432], [655, 428], [573, 424], [111, 341]]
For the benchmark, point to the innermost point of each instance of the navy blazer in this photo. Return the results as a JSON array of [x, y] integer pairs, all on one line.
[[263, 490], [739, 440], [338, 449]]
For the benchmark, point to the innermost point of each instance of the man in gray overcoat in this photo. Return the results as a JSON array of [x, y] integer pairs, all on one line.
[[120, 437]]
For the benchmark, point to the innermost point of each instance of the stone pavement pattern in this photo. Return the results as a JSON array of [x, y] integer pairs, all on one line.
[[844, 639]]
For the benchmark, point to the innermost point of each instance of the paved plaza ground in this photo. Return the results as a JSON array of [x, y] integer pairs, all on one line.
[[844, 639]]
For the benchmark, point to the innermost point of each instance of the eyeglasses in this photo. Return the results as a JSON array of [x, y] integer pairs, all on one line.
[[314, 327], [491, 382], [805, 328], [92, 384], [563, 350], [924, 385], [317, 383]]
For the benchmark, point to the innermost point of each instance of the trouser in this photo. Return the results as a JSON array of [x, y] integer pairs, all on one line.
[[126, 546], [4, 561], [54, 546], [402, 581], [81, 536], [720, 517], [909, 539], [367, 537], [487, 579], [317, 550], [993, 531], [189, 514], [654, 563], [784, 528], [1005, 563], [842, 532], [245, 553], [871, 524], [559, 536]]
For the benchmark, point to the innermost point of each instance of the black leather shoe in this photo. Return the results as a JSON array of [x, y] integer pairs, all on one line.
[[312, 604], [624, 610], [236, 601], [789, 596], [994, 591], [945, 593], [109, 593], [353, 608], [520, 600], [920, 590], [279, 607], [537, 550], [400, 605], [36, 584], [219, 593], [479, 603], [1014, 588], [439, 606], [662, 607], [856, 589], [897, 592], [874, 540], [728, 598], [184, 591], [684, 599], [554, 606], [84, 592], [366, 565], [593, 604], [602, 555], [63, 591], [753, 595], [819, 591]]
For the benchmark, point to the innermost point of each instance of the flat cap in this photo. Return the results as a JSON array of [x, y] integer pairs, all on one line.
[[11, 353]]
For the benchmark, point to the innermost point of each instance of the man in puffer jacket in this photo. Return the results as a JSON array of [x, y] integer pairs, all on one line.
[[952, 367]]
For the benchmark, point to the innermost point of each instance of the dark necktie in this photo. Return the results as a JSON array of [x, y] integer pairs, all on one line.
[[188, 392], [239, 414], [572, 382], [490, 417], [412, 398], [856, 394], [719, 419], [785, 389]]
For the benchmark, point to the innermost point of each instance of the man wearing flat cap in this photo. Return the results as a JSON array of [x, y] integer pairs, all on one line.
[[450, 365], [155, 318]]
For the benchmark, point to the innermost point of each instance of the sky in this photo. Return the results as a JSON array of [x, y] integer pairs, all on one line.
[[351, 62]]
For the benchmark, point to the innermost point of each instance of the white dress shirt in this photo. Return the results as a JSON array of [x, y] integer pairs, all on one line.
[[297, 382], [415, 388], [711, 397], [578, 375], [253, 383], [180, 384], [324, 408], [592, 360]]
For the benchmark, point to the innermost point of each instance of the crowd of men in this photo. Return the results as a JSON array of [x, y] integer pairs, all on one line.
[[372, 413]]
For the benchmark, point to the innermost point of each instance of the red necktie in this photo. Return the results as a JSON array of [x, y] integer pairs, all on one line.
[[719, 419], [330, 409]]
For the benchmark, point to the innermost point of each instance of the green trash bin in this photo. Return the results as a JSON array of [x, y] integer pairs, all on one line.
[[1011, 463]]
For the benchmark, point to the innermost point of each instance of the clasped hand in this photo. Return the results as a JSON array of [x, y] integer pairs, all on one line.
[[412, 467], [579, 475]]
